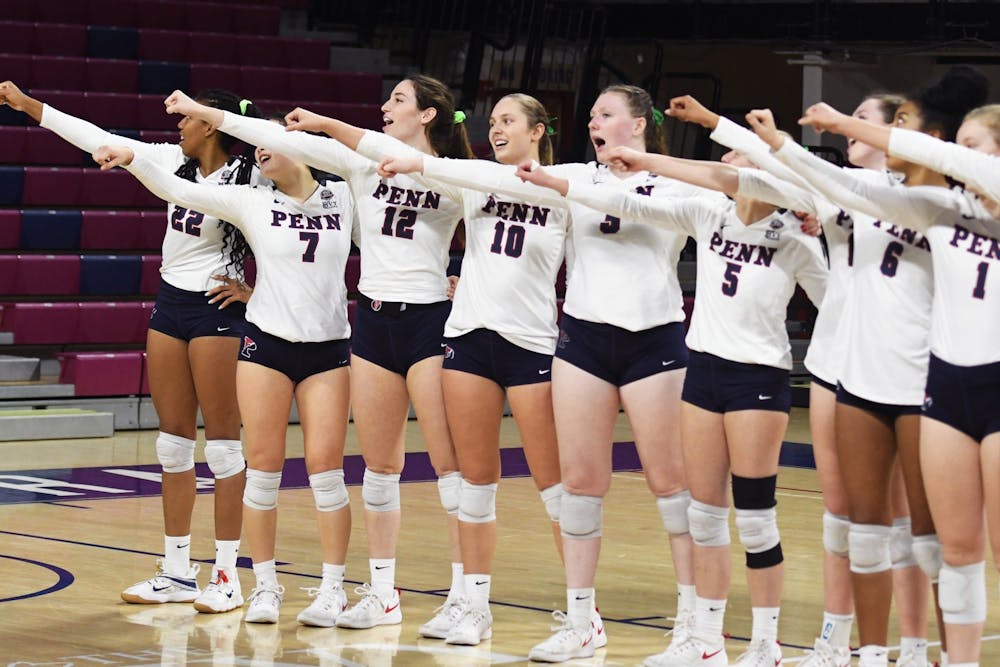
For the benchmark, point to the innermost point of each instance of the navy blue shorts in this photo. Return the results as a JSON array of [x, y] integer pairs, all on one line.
[[720, 385], [186, 315], [829, 386], [488, 354], [964, 397], [397, 335], [619, 356], [296, 361], [887, 411]]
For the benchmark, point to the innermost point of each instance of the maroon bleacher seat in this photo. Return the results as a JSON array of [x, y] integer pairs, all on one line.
[[161, 15], [71, 102], [151, 113], [19, 11], [17, 36], [214, 49], [112, 76], [18, 68], [60, 11], [111, 322], [40, 323], [170, 45], [115, 188], [52, 186], [101, 373], [8, 273], [47, 275], [112, 110], [111, 230], [13, 140], [58, 73], [154, 226], [210, 16], [256, 20], [159, 136], [262, 50], [144, 377], [119, 13], [60, 39], [10, 229], [214, 76], [149, 282], [44, 147], [353, 273], [309, 53], [264, 82]]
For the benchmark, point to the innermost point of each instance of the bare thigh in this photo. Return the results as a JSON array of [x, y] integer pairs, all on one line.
[[380, 405], [213, 365], [653, 406], [754, 438], [265, 397], [822, 411], [706, 454], [866, 449], [474, 406], [425, 387], [323, 401], [531, 405], [171, 384]]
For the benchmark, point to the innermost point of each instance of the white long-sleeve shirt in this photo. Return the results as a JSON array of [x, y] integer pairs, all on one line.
[[965, 320], [192, 245], [405, 230], [979, 171], [301, 248], [746, 273]]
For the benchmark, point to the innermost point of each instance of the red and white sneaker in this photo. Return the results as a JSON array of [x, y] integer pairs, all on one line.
[[371, 610], [761, 653], [567, 643], [690, 652], [222, 594], [597, 623]]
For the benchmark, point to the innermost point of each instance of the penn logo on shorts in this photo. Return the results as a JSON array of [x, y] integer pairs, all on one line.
[[249, 345], [563, 340], [152, 313], [928, 402], [376, 305], [449, 353]]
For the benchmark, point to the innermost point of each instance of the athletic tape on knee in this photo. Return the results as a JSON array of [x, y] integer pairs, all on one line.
[[176, 454], [754, 493], [477, 503], [868, 547], [901, 544], [261, 491], [962, 593], [709, 524], [835, 530], [224, 457], [329, 490], [580, 517], [552, 498], [759, 536], [380, 491], [927, 553], [674, 512], [449, 487]]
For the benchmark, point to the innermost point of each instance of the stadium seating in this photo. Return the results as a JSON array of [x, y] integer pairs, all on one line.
[[102, 373]]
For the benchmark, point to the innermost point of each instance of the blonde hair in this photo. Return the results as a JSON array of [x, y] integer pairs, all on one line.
[[989, 117], [536, 113]]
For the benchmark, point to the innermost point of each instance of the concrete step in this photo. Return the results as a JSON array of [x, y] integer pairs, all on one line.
[[55, 424], [39, 389], [19, 369], [6, 337]]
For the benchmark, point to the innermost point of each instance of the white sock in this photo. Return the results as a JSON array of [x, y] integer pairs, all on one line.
[[266, 573], [964, 664], [477, 589], [837, 629], [457, 590], [765, 624], [579, 606], [177, 554], [915, 645], [685, 598], [708, 619], [944, 659], [873, 656], [226, 552], [383, 574], [333, 575]]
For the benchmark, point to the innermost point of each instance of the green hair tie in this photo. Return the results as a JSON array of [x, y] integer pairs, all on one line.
[[658, 117], [243, 106], [459, 117], [549, 129]]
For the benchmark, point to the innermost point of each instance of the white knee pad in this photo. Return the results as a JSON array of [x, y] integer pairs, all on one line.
[[674, 512], [449, 487], [869, 548], [224, 457], [901, 544], [962, 593], [380, 491], [927, 553], [835, 530], [176, 454], [477, 503], [552, 497], [329, 490], [580, 517], [261, 491], [709, 524], [758, 529]]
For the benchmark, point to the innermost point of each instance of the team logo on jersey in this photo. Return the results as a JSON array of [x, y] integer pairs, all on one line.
[[328, 198], [249, 345], [449, 352], [772, 234], [563, 340], [776, 224], [376, 305], [226, 176]]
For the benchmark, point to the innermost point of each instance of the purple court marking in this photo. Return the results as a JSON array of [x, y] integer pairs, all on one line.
[[65, 579]]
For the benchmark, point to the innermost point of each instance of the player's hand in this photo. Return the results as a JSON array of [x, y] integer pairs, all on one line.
[[822, 117], [180, 103], [452, 286], [762, 122], [304, 120], [532, 172], [629, 159], [110, 157], [810, 223], [230, 291], [12, 96], [390, 166], [689, 109]]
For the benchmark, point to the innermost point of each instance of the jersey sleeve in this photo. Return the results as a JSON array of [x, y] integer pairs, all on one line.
[[377, 146], [489, 177], [319, 152], [812, 271], [760, 185], [742, 140], [89, 137], [684, 214], [980, 171], [231, 203]]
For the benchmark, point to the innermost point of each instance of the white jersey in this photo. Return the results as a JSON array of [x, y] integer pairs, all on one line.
[[618, 272], [746, 273], [192, 246], [979, 171], [301, 248], [405, 229], [888, 319]]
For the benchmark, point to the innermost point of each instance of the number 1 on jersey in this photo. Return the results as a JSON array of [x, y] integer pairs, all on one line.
[[979, 292], [404, 222]]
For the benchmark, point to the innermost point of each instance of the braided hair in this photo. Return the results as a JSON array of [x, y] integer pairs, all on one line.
[[234, 245]]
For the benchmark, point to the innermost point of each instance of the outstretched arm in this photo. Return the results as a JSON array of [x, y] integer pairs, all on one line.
[[979, 171], [308, 121], [15, 98], [824, 118]]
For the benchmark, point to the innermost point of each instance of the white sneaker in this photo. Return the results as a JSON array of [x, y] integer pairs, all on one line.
[[445, 618], [474, 626], [824, 655], [265, 602], [371, 610], [690, 652], [327, 605], [165, 587], [911, 659], [761, 653], [683, 628], [222, 594], [600, 636], [567, 643]]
